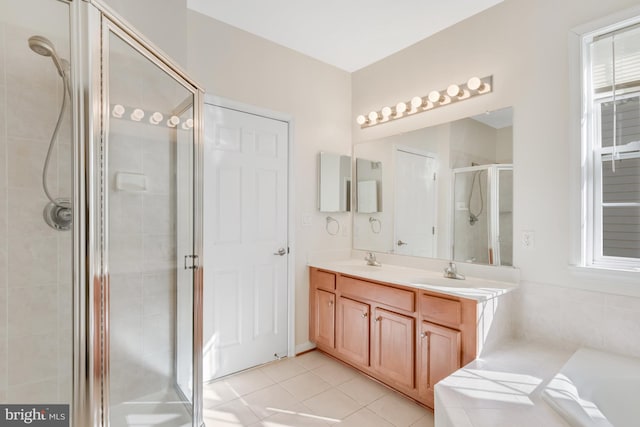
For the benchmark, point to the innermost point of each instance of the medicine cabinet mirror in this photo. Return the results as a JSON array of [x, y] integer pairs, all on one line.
[[334, 182]]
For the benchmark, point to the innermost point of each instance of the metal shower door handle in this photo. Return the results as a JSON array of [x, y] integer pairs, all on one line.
[[281, 252]]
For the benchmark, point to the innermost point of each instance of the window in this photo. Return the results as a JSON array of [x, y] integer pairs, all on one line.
[[611, 144]]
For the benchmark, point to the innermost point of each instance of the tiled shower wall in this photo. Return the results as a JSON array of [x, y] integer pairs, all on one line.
[[35, 260]]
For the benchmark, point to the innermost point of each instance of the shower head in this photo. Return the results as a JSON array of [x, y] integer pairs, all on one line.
[[43, 46]]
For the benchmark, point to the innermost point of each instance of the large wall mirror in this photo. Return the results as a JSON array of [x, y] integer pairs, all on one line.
[[448, 191]]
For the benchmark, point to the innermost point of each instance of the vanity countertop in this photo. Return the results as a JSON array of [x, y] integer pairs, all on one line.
[[471, 287]]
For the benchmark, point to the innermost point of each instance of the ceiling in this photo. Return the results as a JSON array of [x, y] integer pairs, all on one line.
[[349, 34]]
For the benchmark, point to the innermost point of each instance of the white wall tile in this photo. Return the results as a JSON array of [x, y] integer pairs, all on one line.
[[33, 310], [32, 358], [32, 262], [25, 206], [25, 162]]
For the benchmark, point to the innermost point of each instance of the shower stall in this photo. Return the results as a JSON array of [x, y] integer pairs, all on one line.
[[100, 224], [482, 220]]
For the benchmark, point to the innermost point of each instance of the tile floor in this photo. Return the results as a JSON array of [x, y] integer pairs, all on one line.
[[309, 390]]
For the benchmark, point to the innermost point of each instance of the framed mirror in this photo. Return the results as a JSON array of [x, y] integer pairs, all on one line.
[[334, 182], [433, 207]]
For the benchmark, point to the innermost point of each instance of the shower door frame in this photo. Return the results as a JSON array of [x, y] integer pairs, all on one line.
[[90, 21]]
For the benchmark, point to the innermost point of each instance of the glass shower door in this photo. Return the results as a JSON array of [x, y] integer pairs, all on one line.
[[148, 195]]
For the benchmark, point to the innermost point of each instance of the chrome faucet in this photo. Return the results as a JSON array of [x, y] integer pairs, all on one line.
[[451, 272], [371, 260]]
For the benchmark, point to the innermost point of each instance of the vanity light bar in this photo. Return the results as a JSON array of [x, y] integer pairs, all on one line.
[[475, 86]]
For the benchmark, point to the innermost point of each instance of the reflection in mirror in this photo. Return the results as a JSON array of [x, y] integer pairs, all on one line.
[[420, 166], [483, 225], [369, 181], [334, 182]]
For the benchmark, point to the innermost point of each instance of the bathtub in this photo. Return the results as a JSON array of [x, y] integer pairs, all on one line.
[[595, 388]]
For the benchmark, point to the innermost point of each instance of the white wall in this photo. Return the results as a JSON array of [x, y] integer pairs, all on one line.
[[524, 45]]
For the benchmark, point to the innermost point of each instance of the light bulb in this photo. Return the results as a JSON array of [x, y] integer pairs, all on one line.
[[434, 96], [454, 90], [188, 124], [401, 107], [373, 116], [156, 118], [361, 120], [474, 83], [416, 102], [118, 111], [386, 112], [173, 121], [137, 115]]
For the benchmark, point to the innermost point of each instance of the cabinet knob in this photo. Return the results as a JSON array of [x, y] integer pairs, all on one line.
[[365, 314], [379, 318], [423, 335], [330, 303]]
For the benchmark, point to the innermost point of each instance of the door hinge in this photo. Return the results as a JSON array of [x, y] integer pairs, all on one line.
[[190, 262]]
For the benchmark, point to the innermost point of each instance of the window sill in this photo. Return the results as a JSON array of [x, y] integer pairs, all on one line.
[[626, 276]]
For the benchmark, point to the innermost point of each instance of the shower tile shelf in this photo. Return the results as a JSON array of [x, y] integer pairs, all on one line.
[[407, 327]]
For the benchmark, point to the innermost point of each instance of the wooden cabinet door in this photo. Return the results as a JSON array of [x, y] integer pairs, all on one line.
[[392, 347], [439, 357], [353, 320], [325, 311]]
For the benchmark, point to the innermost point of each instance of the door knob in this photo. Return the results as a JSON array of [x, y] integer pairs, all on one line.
[[401, 243], [281, 252]]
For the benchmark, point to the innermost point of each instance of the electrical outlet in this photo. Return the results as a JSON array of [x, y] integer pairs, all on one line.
[[528, 239]]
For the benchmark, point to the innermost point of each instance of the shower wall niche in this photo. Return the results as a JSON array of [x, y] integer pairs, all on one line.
[[35, 260]]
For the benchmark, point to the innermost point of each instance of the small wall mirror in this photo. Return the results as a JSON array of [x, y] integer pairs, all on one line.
[[448, 191], [334, 182], [369, 186]]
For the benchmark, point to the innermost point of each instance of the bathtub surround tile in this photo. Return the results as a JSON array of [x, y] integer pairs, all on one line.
[[125, 337], [125, 294], [34, 392], [159, 214], [25, 160], [125, 213], [158, 332], [125, 253]]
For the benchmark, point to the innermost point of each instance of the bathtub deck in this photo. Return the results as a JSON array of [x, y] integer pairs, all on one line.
[[502, 388]]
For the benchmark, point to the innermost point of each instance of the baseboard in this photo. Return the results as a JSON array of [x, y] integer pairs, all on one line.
[[301, 348]]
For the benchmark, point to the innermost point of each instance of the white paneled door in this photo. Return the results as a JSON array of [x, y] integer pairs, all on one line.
[[415, 198], [245, 240]]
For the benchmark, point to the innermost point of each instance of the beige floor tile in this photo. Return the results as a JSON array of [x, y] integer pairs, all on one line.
[[313, 359], [335, 373], [217, 393], [426, 421], [283, 369], [332, 404], [398, 410], [249, 382], [363, 390], [234, 413], [305, 386], [300, 417], [270, 401], [364, 417]]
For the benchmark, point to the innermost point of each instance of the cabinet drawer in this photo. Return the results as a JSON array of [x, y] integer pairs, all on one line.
[[323, 280], [441, 310], [359, 289]]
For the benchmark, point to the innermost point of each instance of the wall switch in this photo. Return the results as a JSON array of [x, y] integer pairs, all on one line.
[[306, 220], [528, 239]]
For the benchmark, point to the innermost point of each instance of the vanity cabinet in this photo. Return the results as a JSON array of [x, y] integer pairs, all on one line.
[[392, 347], [353, 321], [407, 338]]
